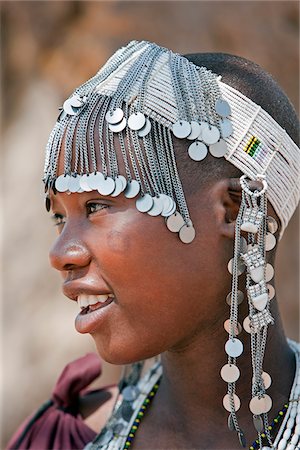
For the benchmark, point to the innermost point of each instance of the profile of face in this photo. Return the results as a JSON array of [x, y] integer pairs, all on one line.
[[165, 294]]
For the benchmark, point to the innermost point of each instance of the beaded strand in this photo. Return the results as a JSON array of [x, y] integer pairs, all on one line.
[[274, 423]]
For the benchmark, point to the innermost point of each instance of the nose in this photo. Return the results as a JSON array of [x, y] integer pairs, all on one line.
[[69, 253]]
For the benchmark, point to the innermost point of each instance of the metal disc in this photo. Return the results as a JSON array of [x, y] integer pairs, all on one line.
[[144, 203], [197, 151], [68, 108], [136, 121], [258, 423], [269, 272], [219, 149], [84, 183], [222, 108], [62, 183], [124, 181], [227, 403], [167, 203], [157, 207], [181, 129], [170, 211], [76, 101], [114, 116], [266, 379], [270, 241], [240, 298], [118, 187], [116, 128], [175, 222], [210, 134], [130, 393], [237, 330], [118, 428], [230, 423], [105, 437], [246, 325], [234, 347], [230, 373], [126, 411], [94, 180], [260, 405], [107, 186], [146, 129], [271, 291], [242, 439], [243, 245], [240, 267], [74, 185], [187, 234], [272, 225], [226, 128], [132, 189], [195, 131]]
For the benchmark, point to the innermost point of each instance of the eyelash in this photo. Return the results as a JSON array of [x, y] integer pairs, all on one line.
[[59, 219]]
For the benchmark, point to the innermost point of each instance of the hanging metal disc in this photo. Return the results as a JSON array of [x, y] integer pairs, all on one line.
[[187, 234], [234, 347], [62, 183], [197, 151], [68, 108], [237, 330], [271, 291], [175, 222], [246, 325], [195, 131], [94, 180], [242, 439], [118, 187], [74, 185], [132, 189], [146, 129], [210, 134], [230, 373], [270, 241], [222, 108], [269, 272], [272, 225], [124, 181], [136, 121], [144, 203], [76, 101], [118, 127], [240, 298], [157, 207], [266, 379], [84, 183], [106, 186], [219, 149], [240, 267], [105, 437], [226, 128], [126, 411], [115, 116], [260, 405], [171, 210], [167, 203], [130, 393], [258, 423], [227, 402], [230, 423], [181, 129]]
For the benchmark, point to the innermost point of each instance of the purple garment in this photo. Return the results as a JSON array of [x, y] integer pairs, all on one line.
[[58, 424]]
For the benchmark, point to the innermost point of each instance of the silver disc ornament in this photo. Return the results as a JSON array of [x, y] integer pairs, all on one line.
[[136, 121], [230, 373], [222, 108], [187, 234], [197, 151], [74, 185], [167, 203], [118, 127], [114, 116], [107, 186], [240, 298], [219, 149], [181, 129], [62, 183], [130, 393], [168, 212], [227, 402], [94, 180], [210, 134], [132, 189], [157, 206], [195, 131], [175, 222], [119, 187], [84, 183], [144, 203], [234, 347], [71, 105], [146, 129], [226, 128], [272, 225], [270, 241], [105, 437]]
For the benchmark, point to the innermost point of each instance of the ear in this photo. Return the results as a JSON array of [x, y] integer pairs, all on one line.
[[227, 198]]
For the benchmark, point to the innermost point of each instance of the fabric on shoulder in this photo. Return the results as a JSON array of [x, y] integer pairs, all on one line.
[[57, 424]]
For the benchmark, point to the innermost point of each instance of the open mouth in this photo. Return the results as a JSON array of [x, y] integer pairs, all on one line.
[[98, 305], [90, 303]]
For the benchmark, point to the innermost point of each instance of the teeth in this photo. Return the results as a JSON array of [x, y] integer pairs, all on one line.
[[89, 300]]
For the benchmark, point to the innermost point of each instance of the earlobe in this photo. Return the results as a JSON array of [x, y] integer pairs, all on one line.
[[228, 201]]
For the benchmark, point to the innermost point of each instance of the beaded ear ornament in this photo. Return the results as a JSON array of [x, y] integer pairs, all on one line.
[[250, 255], [119, 103]]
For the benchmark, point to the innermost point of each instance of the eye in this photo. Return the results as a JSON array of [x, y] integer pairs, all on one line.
[[95, 207], [58, 219]]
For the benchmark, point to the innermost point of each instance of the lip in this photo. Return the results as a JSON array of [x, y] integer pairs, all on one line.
[[87, 322]]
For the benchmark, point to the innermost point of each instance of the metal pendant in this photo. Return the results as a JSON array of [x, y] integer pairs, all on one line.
[[130, 393], [84, 183], [258, 423], [132, 189], [118, 127], [107, 186], [227, 402], [117, 428], [260, 405], [269, 272], [240, 267], [222, 108], [260, 301], [271, 291], [62, 183], [105, 437], [144, 203], [118, 187], [266, 379], [73, 104], [114, 116], [168, 203], [94, 180], [230, 423], [175, 222], [210, 134], [219, 149], [240, 298], [187, 234], [242, 439], [230, 373], [234, 347], [237, 329], [146, 129], [270, 241], [181, 129], [195, 131], [74, 185], [247, 325], [47, 203], [157, 207], [136, 121], [272, 225], [197, 151], [226, 128], [171, 210], [126, 411]]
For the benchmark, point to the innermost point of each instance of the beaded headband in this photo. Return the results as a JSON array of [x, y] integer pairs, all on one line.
[[142, 97]]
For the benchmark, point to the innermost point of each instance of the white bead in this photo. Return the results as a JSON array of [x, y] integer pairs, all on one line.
[[298, 418], [293, 412], [290, 447], [266, 448], [282, 444], [287, 434], [290, 423], [295, 439], [297, 429], [297, 391]]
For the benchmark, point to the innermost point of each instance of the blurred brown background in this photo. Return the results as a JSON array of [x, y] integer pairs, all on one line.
[[48, 48]]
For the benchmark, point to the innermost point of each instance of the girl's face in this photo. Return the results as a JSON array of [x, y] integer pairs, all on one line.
[[165, 293]]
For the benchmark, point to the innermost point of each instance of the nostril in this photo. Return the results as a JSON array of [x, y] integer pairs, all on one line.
[[66, 256]]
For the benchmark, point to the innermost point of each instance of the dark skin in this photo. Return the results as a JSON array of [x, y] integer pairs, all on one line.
[[170, 300]]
